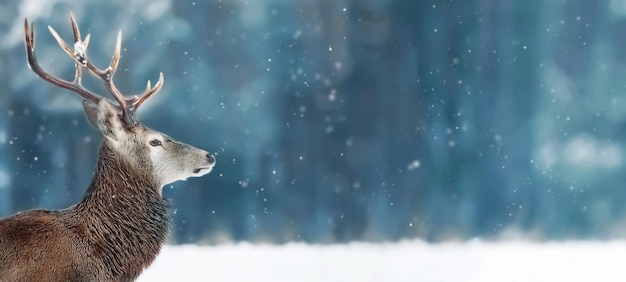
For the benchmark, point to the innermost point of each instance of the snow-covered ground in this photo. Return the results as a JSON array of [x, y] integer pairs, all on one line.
[[405, 261]]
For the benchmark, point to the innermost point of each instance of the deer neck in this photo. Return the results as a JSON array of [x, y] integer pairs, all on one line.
[[122, 214]]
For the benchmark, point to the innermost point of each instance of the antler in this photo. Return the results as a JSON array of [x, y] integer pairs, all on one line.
[[79, 54]]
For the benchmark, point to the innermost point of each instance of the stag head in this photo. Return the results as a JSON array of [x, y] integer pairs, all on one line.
[[155, 154]]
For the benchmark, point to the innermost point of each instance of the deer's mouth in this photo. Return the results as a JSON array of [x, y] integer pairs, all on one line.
[[203, 170]]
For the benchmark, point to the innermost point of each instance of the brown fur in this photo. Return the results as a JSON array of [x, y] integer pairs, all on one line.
[[111, 235]]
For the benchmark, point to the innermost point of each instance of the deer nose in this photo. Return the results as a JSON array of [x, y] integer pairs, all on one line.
[[210, 158]]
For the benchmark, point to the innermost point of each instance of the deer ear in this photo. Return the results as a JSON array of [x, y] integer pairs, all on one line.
[[105, 117], [91, 110]]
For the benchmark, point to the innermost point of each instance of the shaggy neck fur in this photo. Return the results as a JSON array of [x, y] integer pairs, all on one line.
[[122, 216]]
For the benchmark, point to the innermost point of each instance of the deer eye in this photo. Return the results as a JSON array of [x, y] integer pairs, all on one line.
[[155, 143]]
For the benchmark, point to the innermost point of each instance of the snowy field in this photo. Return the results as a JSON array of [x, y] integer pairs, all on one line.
[[406, 261]]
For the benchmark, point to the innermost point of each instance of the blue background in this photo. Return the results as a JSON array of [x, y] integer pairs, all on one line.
[[342, 120]]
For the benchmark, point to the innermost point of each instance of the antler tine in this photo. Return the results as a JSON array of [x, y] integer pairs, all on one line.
[[61, 42], [106, 75], [148, 92], [110, 71], [74, 86], [75, 30], [116, 53], [79, 66]]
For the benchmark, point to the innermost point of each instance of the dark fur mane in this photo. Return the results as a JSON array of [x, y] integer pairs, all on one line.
[[111, 235], [128, 218]]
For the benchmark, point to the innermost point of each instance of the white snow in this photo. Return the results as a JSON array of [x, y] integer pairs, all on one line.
[[405, 261]]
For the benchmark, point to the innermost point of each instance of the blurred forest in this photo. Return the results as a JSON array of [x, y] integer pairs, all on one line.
[[342, 120]]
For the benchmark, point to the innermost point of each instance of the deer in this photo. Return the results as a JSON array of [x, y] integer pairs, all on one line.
[[122, 221]]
